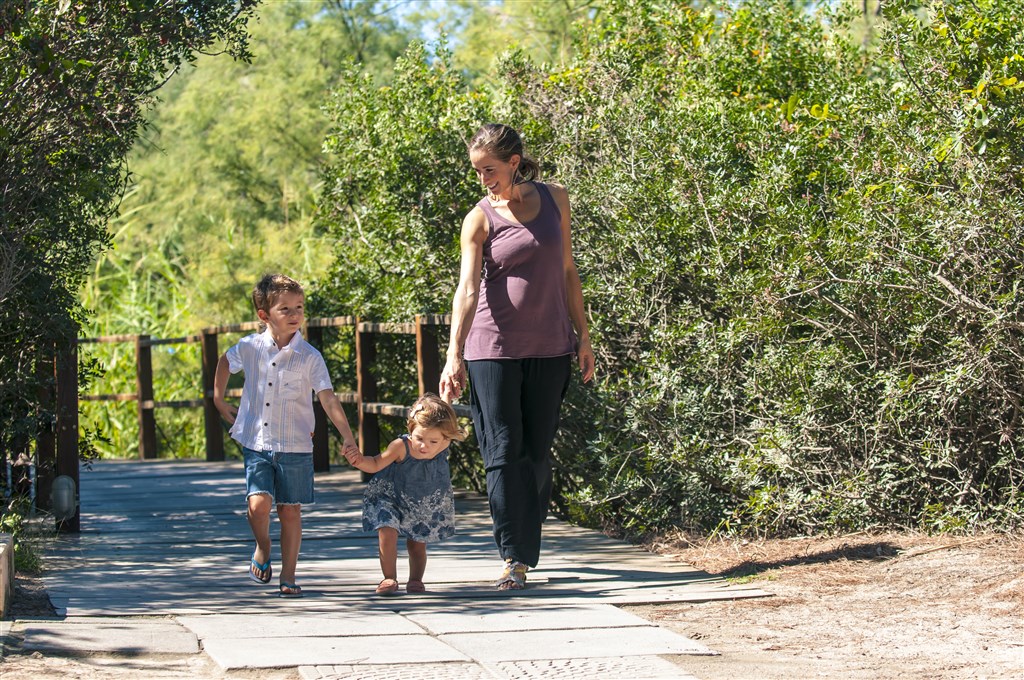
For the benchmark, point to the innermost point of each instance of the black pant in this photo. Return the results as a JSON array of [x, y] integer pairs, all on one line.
[[516, 405]]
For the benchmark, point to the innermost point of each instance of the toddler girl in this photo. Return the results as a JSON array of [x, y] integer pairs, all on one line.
[[411, 491]]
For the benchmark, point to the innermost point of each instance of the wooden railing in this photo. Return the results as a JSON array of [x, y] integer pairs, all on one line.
[[365, 397]]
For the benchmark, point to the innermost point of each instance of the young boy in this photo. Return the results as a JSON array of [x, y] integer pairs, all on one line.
[[274, 421]]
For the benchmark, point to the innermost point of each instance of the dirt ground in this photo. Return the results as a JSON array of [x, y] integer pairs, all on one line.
[[858, 606]]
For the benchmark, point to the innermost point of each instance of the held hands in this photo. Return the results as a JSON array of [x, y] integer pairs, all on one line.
[[352, 455]]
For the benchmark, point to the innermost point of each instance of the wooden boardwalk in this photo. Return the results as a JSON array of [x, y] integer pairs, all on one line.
[[161, 567], [164, 538]]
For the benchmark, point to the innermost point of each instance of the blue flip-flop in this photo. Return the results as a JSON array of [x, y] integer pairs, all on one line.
[[296, 591], [264, 568]]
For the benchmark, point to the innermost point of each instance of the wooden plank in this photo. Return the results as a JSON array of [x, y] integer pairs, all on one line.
[[366, 387], [144, 386], [243, 327], [428, 364], [181, 403], [140, 511], [108, 338], [436, 319], [321, 453], [67, 424], [348, 397], [184, 340], [382, 409], [211, 416], [395, 328], [46, 442], [331, 322], [109, 397]]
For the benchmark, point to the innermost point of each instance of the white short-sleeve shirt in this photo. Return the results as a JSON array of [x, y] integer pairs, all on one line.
[[276, 409]]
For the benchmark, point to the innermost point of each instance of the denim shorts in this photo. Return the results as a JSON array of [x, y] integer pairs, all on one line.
[[287, 477]]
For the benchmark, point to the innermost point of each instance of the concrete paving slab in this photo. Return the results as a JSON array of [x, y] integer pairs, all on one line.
[[632, 667], [119, 636], [239, 653], [422, 671], [351, 623], [572, 644], [521, 617]]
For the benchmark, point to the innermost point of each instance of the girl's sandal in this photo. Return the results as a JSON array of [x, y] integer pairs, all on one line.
[[414, 586], [513, 577], [388, 586]]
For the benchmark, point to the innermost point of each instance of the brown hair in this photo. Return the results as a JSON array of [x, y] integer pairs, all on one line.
[[503, 142], [434, 413], [270, 287]]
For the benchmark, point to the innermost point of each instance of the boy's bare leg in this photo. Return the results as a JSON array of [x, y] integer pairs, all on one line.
[[259, 521], [387, 545], [290, 517]]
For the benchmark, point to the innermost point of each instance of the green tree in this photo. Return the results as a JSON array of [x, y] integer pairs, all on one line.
[[75, 78], [484, 29], [223, 189], [227, 174]]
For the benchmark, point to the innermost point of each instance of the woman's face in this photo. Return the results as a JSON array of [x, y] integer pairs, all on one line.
[[496, 175]]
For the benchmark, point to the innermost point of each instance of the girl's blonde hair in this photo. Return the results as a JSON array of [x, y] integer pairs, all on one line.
[[431, 412]]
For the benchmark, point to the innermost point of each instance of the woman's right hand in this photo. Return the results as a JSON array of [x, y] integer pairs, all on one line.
[[453, 379]]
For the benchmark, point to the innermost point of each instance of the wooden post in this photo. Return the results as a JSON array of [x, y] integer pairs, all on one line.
[[366, 387], [321, 441], [211, 416], [46, 451], [144, 388], [428, 365], [67, 424]]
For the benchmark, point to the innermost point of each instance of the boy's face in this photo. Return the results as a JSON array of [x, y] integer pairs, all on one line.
[[286, 314]]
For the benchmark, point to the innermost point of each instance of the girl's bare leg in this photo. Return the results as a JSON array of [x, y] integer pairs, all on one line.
[[417, 559], [387, 546]]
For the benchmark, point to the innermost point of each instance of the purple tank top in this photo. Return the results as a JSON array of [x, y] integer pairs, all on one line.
[[522, 310]]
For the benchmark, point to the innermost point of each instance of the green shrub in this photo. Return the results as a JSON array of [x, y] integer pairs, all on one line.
[[800, 257]]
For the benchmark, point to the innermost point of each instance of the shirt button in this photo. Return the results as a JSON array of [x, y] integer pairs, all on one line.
[[271, 384], [268, 403], [274, 363], [266, 424]]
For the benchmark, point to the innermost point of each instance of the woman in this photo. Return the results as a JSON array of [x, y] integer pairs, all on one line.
[[517, 305]]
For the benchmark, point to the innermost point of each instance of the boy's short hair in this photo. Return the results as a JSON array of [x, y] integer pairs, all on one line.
[[270, 287]]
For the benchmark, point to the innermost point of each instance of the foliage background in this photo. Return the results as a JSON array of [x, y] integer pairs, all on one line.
[[75, 79], [223, 188], [800, 231], [801, 256]]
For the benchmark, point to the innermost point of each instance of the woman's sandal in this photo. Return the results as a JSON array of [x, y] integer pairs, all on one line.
[[414, 586], [260, 573], [286, 589], [388, 586], [513, 577]]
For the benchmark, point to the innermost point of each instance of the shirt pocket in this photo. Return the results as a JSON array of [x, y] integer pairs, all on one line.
[[291, 384]]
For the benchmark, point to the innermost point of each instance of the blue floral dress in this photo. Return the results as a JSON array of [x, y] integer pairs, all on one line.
[[413, 496]]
